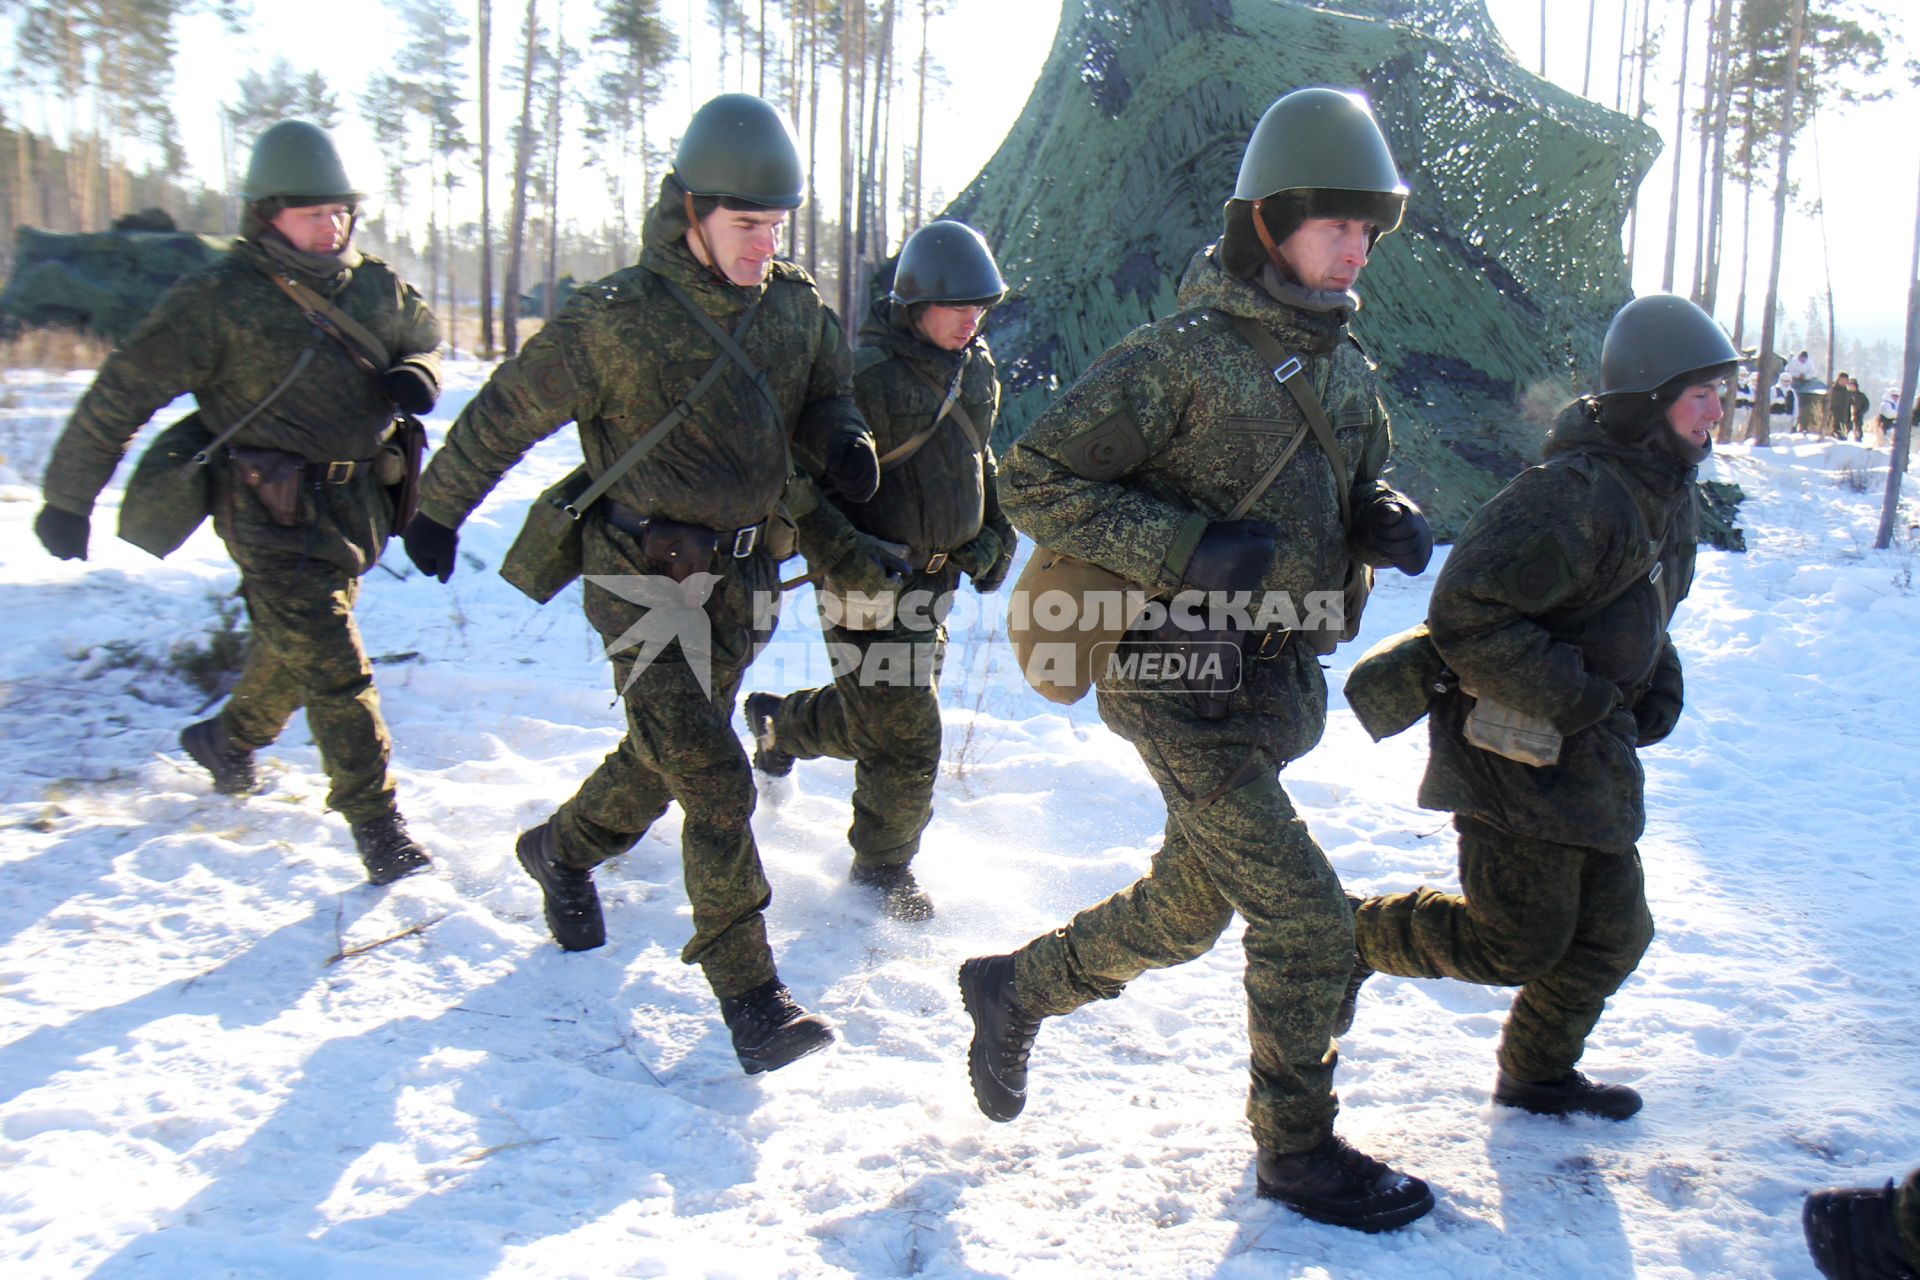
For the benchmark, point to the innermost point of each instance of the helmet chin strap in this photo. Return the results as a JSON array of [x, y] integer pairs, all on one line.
[[700, 238], [1266, 240]]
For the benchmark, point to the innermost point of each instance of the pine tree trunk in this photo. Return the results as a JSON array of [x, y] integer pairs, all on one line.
[[1640, 113], [813, 135], [1620, 63], [485, 87], [847, 56], [522, 163], [1758, 418], [1903, 420], [920, 126], [1679, 149], [553, 170], [1586, 68], [1723, 94], [1543, 39]]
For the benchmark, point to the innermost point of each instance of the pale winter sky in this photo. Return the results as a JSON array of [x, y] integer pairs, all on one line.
[[993, 49]]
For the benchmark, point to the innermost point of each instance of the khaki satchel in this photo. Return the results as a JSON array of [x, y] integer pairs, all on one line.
[[548, 552], [168, 495], [1390, 688], [1510, 732]]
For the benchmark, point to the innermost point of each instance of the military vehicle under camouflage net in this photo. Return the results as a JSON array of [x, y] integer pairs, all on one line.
[[101, 282], [1485, 310]]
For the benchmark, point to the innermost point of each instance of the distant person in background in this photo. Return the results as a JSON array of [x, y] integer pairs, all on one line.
[[301, 350], [1800, 368], [1782, 399], [1846, 407], [1865, 1233], [1889, 415]]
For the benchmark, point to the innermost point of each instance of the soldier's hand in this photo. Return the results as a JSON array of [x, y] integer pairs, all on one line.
[[431, 546], [985, 560], [1397, 536], [62, 532], [409, 387], [1232, 555], [853, 467], [869, 567]]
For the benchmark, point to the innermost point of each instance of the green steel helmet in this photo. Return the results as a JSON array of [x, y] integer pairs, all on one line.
[[1322, 140], [1654, 339], [740, 146], [294, 158], [946, 261]]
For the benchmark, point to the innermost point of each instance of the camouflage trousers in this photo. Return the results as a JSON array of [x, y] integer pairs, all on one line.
[[882, 712], [304, 650], [1566, 925], [680, 745], [1233, 844]]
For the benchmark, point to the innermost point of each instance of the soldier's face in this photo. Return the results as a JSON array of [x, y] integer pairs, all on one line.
[[1692, 416], [1327, 253], [743, 242], [315, 228], [949, 326]]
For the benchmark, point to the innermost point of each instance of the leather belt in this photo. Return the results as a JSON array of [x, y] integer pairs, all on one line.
[[737, 543]]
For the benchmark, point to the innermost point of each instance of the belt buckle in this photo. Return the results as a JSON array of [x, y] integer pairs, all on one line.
[[745, 540], [1287, 370], [937, 561], [339, 472]]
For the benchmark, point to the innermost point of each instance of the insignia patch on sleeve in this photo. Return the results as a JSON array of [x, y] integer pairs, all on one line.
[[1539, 574], [1107, 450], [544, 366]]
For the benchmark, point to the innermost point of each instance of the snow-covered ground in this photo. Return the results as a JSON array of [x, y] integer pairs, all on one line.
[[223, 1054]]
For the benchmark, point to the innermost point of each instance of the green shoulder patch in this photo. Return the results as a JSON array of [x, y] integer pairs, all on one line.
[[1539, 574], [1107, 450], [1187, 328], [548, 377]]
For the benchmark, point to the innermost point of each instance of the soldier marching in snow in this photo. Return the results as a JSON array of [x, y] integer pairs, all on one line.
[[886, 569], [298, 349], [697, 378], [1143, 468], [1551, 614]]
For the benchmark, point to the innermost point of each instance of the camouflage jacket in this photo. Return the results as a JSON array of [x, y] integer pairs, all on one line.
[[622, 352], [229, 335], [937, 498], [1516, 614], [1173, 425]]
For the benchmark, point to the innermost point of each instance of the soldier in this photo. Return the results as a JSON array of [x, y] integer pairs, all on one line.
[[708, 329], [925, 382], [1136, 468], [301, 494], [1552, 612], [1865, 1233]]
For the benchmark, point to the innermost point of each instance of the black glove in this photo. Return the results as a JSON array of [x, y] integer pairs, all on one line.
[[62, 532], [1595, 703], [1232, 555], [869, 567], [431, 546], [1658, 708], [409, 387], [853, 467], [1397, 536]]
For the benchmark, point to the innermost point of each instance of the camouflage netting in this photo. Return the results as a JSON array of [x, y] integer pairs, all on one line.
[[100, 283], [1486, 309]]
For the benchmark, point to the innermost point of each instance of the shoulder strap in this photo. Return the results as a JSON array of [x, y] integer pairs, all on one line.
[[367, 351], [949, 406], [1291, 374], [206, 455], [729, 343], [674, 416]]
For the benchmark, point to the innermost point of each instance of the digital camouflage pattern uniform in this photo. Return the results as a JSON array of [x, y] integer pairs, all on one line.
[[1164, 433], [229, 335], [615, 359], [1554, 897], [934, 502]]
